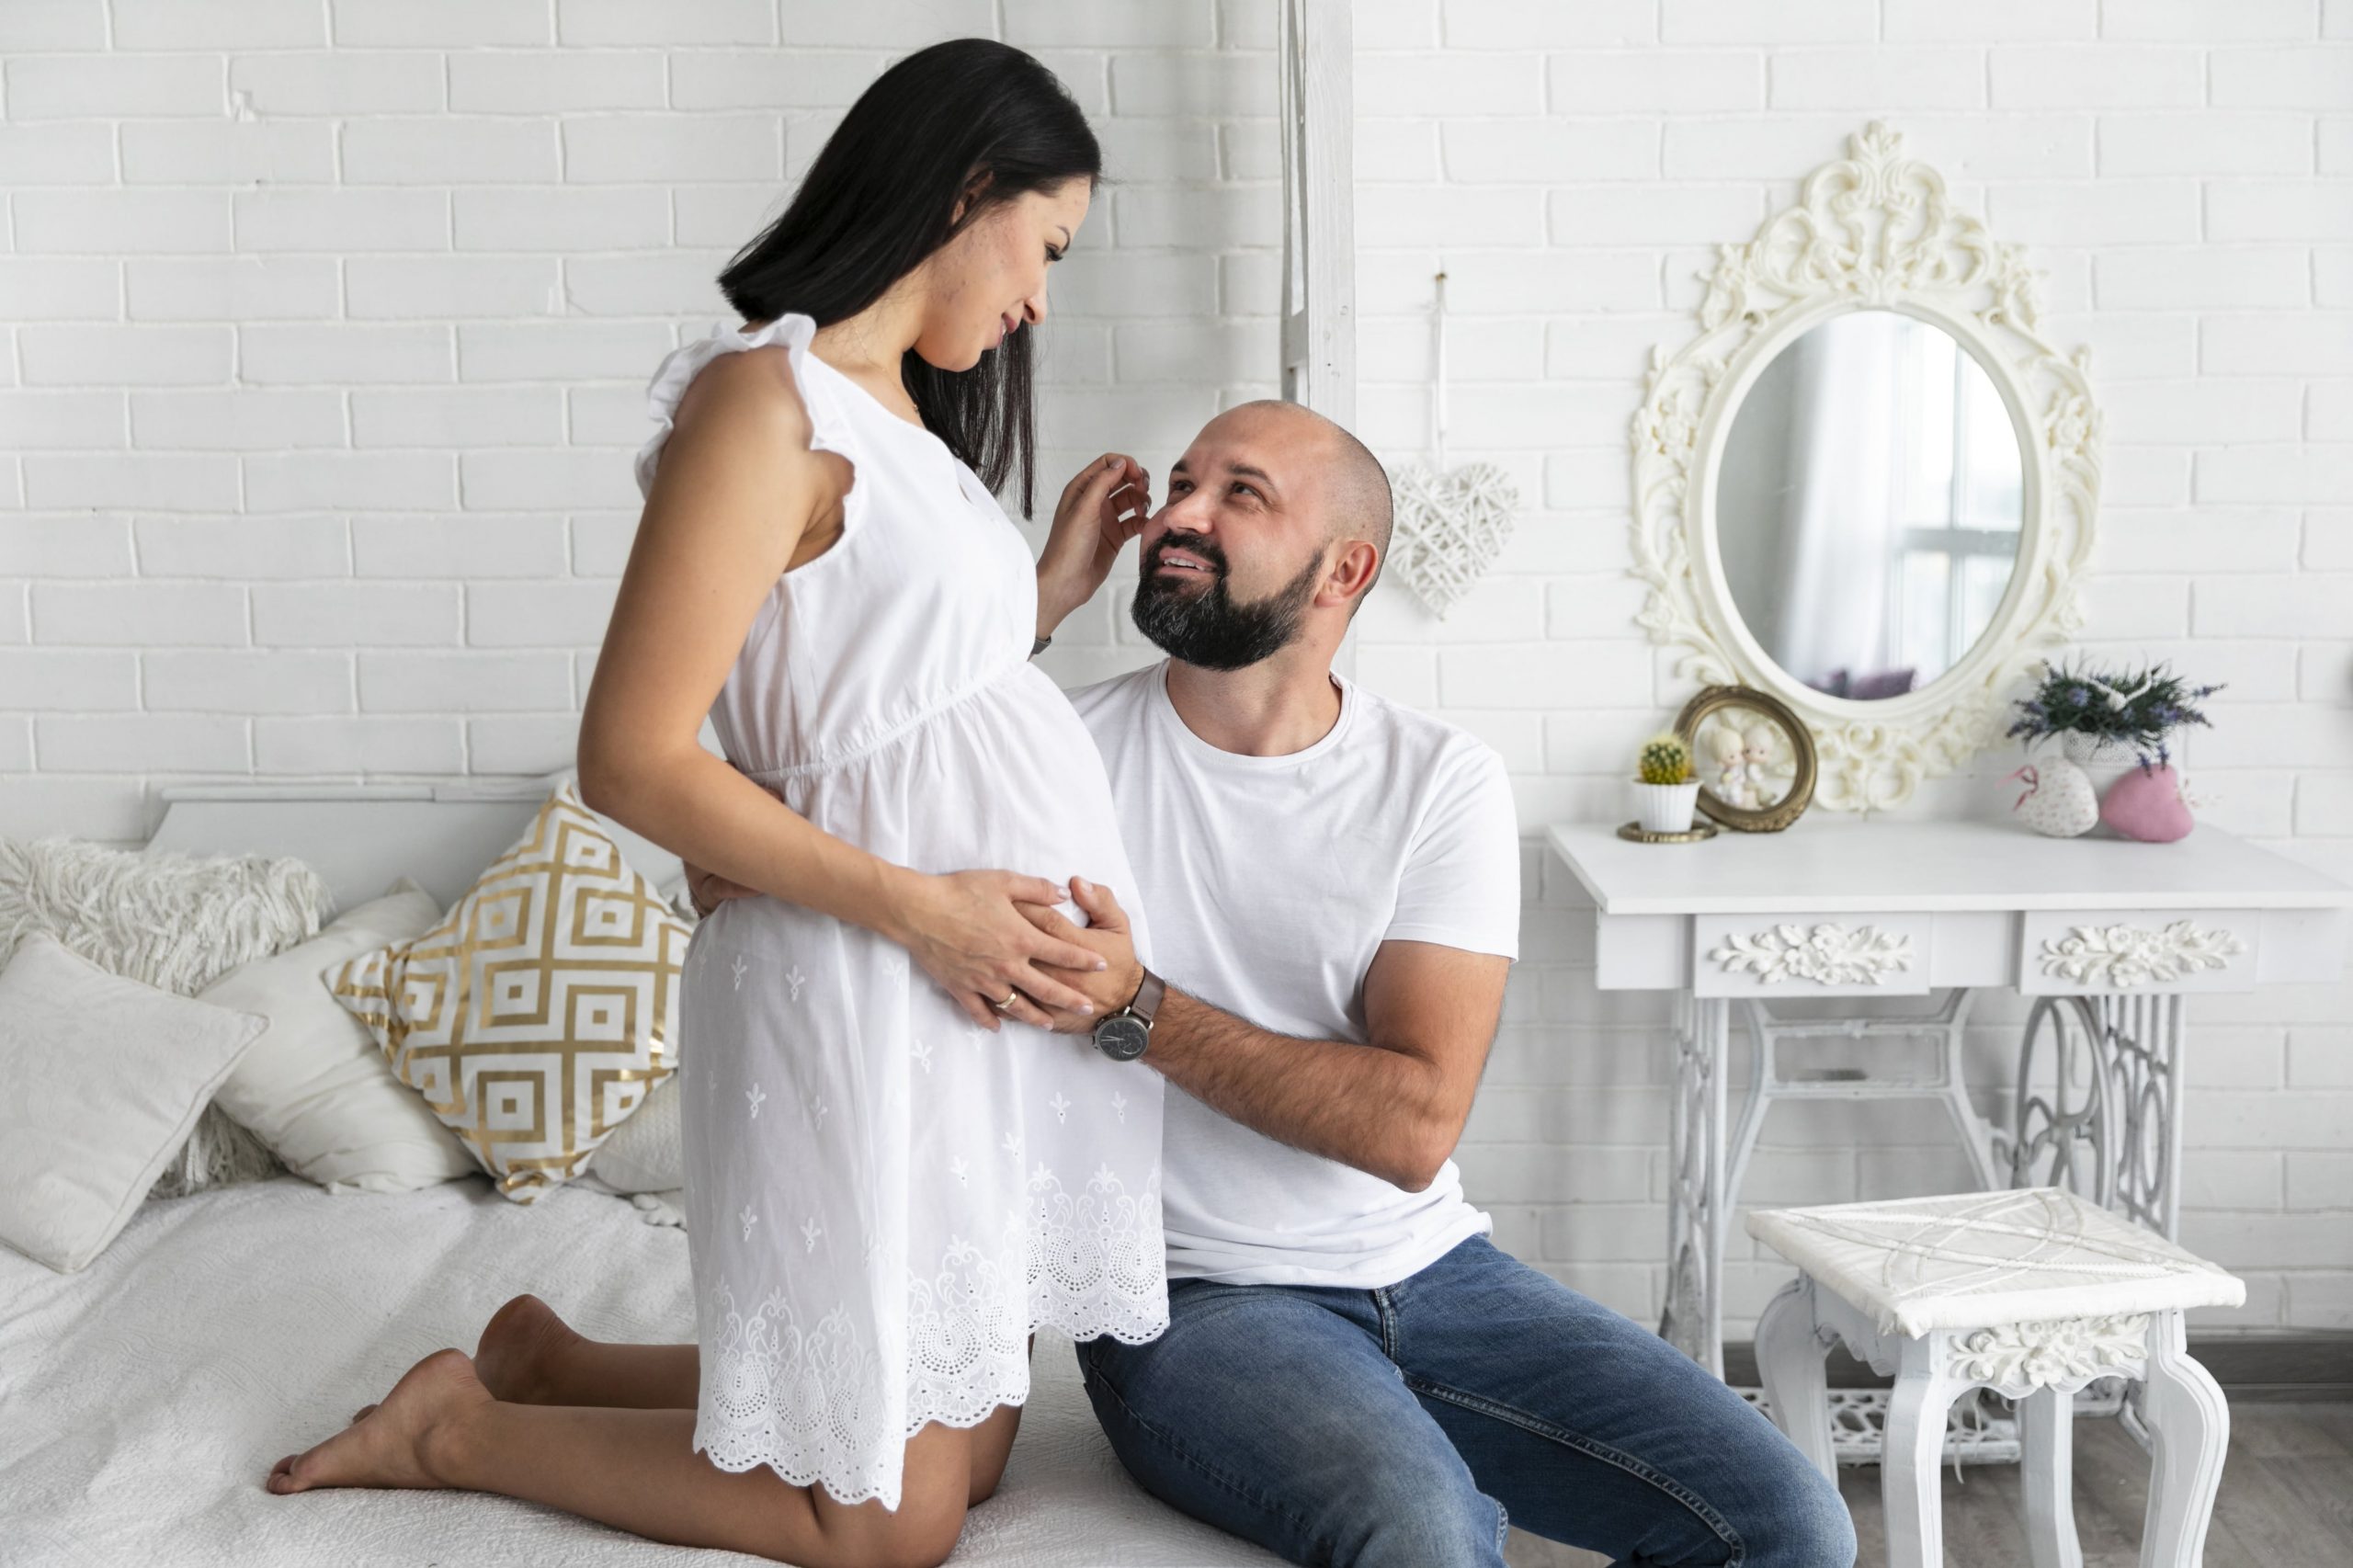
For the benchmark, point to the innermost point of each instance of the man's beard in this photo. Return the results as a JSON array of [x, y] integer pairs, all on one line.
[[1206, 627]]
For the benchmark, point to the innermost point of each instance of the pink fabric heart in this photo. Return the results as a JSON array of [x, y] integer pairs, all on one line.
[[2147, 804]]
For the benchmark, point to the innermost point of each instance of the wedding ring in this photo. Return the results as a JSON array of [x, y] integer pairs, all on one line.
[[1009, 996]]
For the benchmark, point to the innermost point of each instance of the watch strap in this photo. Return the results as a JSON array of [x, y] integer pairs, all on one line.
[[1148, 996]]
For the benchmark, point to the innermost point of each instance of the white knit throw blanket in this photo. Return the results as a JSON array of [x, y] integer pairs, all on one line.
[[176, 922]]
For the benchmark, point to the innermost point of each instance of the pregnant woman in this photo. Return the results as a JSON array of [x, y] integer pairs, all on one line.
[[894, 1172]]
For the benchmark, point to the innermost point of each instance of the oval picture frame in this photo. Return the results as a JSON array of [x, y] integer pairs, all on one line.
[[1714, 700]]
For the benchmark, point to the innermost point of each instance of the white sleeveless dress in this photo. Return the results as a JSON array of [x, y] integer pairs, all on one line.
[[882, 1197]]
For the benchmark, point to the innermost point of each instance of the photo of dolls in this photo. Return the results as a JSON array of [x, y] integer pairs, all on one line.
[[1748, 760]]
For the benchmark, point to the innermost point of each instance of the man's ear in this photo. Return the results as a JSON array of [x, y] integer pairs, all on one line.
[[1352, 572]]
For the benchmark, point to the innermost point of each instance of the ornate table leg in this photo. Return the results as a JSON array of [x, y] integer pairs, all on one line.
[[1910, 1480], [2047, 1435], [1790, 1360], [1693, 1321], [2189, 1427]]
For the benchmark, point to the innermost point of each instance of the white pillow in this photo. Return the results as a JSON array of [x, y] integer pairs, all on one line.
[[176, 922], [100, 1079], [315, 1087]]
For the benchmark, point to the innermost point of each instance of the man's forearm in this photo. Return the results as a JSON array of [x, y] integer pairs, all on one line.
[[1361, 1105]]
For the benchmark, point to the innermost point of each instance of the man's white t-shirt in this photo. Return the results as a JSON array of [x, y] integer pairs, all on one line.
[[1270, 882]]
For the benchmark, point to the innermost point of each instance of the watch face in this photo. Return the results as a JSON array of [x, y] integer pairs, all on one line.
[[1121, 1036]]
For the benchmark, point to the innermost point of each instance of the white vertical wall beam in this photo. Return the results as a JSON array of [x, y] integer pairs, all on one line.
[[1319, 338]]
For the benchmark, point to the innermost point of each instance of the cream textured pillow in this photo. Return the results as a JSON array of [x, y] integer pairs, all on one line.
[[542, 1010], [101, 1079], [648, 1155], [314, 1086]]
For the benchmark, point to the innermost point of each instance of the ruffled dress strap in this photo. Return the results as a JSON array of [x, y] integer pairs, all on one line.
[[830, 426]]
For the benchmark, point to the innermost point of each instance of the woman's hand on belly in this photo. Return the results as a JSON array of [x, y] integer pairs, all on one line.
[[970, 932]]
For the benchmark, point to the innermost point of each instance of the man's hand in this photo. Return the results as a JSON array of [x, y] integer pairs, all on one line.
[[1107, 933], [1103, 506]]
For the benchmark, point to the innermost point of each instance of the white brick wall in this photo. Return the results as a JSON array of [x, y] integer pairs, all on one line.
[[326, 325]]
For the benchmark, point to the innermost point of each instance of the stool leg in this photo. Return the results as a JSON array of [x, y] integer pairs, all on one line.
[[1790, 1360], [2189, 1428], [1909, 1479], [2047, 1435]]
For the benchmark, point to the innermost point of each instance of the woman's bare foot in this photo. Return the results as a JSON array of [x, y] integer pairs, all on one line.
[[519, 1347], [512, 1358], [399, 1442]]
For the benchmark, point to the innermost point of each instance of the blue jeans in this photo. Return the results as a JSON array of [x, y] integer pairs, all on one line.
[[1403, 1426]]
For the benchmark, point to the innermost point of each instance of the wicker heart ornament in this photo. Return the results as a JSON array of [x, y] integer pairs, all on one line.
[[1448, 527]]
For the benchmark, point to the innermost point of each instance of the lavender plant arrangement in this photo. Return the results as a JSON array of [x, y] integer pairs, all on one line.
[[2092, 712]]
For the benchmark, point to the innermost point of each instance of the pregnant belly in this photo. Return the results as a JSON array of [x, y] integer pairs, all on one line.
[[1008, 779]]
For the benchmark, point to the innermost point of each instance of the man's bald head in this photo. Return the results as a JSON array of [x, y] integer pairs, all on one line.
[[1273, 531], [1353, 485]]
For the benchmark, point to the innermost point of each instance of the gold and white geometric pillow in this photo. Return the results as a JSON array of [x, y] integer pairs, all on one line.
[[542, 1009]]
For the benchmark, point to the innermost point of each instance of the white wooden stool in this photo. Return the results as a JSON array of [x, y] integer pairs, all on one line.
[[2031, 1293]]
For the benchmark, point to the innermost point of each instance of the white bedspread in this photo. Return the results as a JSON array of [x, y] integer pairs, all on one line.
[[142, 1400]]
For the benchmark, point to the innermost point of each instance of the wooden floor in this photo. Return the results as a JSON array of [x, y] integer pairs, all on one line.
[[2287, 1500]]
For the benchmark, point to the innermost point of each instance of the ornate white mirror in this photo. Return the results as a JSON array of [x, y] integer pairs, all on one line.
[[1868, 485]]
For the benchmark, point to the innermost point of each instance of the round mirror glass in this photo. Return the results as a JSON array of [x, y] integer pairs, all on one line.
[[1868, 504]]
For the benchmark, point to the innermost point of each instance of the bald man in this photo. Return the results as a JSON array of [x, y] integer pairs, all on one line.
[[1353, 1373]]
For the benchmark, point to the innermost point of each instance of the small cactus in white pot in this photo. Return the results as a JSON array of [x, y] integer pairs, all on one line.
[[1665, 790]]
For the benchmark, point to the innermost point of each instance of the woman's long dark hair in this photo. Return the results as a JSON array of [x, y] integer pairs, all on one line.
[[968, 117]]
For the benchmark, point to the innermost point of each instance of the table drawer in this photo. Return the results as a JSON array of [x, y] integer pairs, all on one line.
[[2072, 953], [1810, 955]]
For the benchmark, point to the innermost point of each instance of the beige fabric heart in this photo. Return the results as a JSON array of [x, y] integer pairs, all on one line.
[[1448, 528]]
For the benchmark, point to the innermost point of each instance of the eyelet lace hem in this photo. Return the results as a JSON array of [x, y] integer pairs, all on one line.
[[807, 1400]]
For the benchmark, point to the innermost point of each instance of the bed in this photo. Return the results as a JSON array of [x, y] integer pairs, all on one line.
[[143, 1399]]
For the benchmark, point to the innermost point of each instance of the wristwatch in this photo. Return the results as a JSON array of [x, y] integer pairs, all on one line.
[[1121, 1035]]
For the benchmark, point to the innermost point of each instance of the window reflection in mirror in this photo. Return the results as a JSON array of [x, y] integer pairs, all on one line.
[[1868, 504]]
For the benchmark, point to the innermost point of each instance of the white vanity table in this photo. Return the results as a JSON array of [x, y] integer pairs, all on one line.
[[1867, 487], [2109, 936]]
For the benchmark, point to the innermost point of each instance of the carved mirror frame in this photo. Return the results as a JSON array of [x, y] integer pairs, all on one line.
[[1872, 229]]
